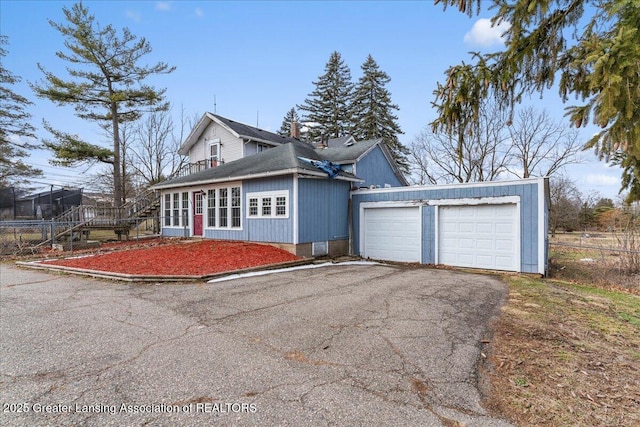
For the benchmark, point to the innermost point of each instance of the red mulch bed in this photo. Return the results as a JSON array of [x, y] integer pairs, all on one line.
[[191, 258]]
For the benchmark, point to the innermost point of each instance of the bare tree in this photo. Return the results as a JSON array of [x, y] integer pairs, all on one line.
[[540, 146], [492, 147], [565, 204], [153, 155], [480, 155]]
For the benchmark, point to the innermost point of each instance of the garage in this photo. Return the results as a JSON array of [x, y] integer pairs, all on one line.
[[392, 233], [479, 236], [498, 225]]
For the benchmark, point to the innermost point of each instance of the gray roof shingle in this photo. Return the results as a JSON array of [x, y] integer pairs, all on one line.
[[278, 159], [348, 153], [254, 133]]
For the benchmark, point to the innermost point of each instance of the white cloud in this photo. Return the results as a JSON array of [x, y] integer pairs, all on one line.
[[602, 179], [199, 12], [133, 15], [163, 5], [484, 35]]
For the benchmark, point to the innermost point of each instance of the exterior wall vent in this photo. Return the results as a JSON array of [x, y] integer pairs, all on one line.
[[319, 248]]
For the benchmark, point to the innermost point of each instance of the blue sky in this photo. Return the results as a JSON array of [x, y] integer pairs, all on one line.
[[259, 59]]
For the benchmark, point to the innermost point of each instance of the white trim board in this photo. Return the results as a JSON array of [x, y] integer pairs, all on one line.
[[542, 232], [500, 200], [526, 181], [169, 185]]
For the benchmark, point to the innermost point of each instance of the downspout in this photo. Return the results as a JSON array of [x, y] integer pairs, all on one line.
[[350, 213]]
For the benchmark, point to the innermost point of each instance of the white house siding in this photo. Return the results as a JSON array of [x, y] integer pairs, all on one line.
[[231, 146]]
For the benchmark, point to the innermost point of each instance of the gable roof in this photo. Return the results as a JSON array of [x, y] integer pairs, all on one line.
[[239, 130], [352, 153], [336, 142], [348, 153], [281, 160]]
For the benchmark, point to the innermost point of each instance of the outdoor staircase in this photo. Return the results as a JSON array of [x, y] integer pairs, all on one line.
[[121, 220]]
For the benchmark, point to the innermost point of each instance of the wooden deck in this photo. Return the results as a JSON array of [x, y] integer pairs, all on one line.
[[81, 219]]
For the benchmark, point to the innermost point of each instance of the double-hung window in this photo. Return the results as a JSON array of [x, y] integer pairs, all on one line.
[[224, 207], [185, 209], [235, 207], [214, 152], [176, 209], [253, 206], [281, 205], [211, 208], [223, 202], [167, 210], [266, 206]]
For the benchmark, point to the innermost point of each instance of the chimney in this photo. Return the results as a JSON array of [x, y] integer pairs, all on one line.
[[295, 130]]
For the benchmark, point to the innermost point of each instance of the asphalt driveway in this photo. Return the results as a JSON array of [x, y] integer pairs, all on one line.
[[343, 345]]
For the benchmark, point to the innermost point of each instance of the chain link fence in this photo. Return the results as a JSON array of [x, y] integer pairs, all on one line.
[[26, 237]]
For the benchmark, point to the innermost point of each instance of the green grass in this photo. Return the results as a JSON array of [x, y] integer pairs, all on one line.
[[556, 343], [606, 311]]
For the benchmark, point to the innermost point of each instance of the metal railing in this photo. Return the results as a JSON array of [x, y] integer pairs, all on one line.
[[198, 166], [27, 237]]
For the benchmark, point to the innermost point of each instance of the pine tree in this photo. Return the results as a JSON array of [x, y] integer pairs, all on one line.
[[589, 50], [14, 121], [329, 105], [107, 86], [290, 117], [373, 112]]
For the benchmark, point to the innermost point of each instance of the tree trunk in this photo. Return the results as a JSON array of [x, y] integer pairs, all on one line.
[[117, 175]]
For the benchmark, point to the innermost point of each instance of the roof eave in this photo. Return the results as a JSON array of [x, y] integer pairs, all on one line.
[[396, 170], [253, 176], [264, 141], [379, 140], [195, 134]]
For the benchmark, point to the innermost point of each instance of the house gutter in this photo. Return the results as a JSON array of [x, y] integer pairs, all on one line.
[[264, 141], [524, 181], [253, 176]]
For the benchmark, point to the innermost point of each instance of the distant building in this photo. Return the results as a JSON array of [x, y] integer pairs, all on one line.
[[48, 204]]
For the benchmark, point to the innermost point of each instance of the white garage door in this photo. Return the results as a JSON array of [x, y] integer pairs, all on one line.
[[392, 234], [482, 236]]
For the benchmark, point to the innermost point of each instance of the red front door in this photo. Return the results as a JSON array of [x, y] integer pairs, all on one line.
[[197, 213]]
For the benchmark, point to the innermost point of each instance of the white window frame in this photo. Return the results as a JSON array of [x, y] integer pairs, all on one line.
[[185, 211], [228, 207], [223, 208], [175, 209], [211, 207], [235, 199], [215, 142], [252, 207], [199, 196], [271, 196], [260, 147], [167, 210]]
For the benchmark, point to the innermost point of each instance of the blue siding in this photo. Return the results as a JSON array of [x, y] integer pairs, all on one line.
[[323, 207], [529, 233], [251, 148], [273, 230], [428, 234], [375, 169], [175, 232]]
